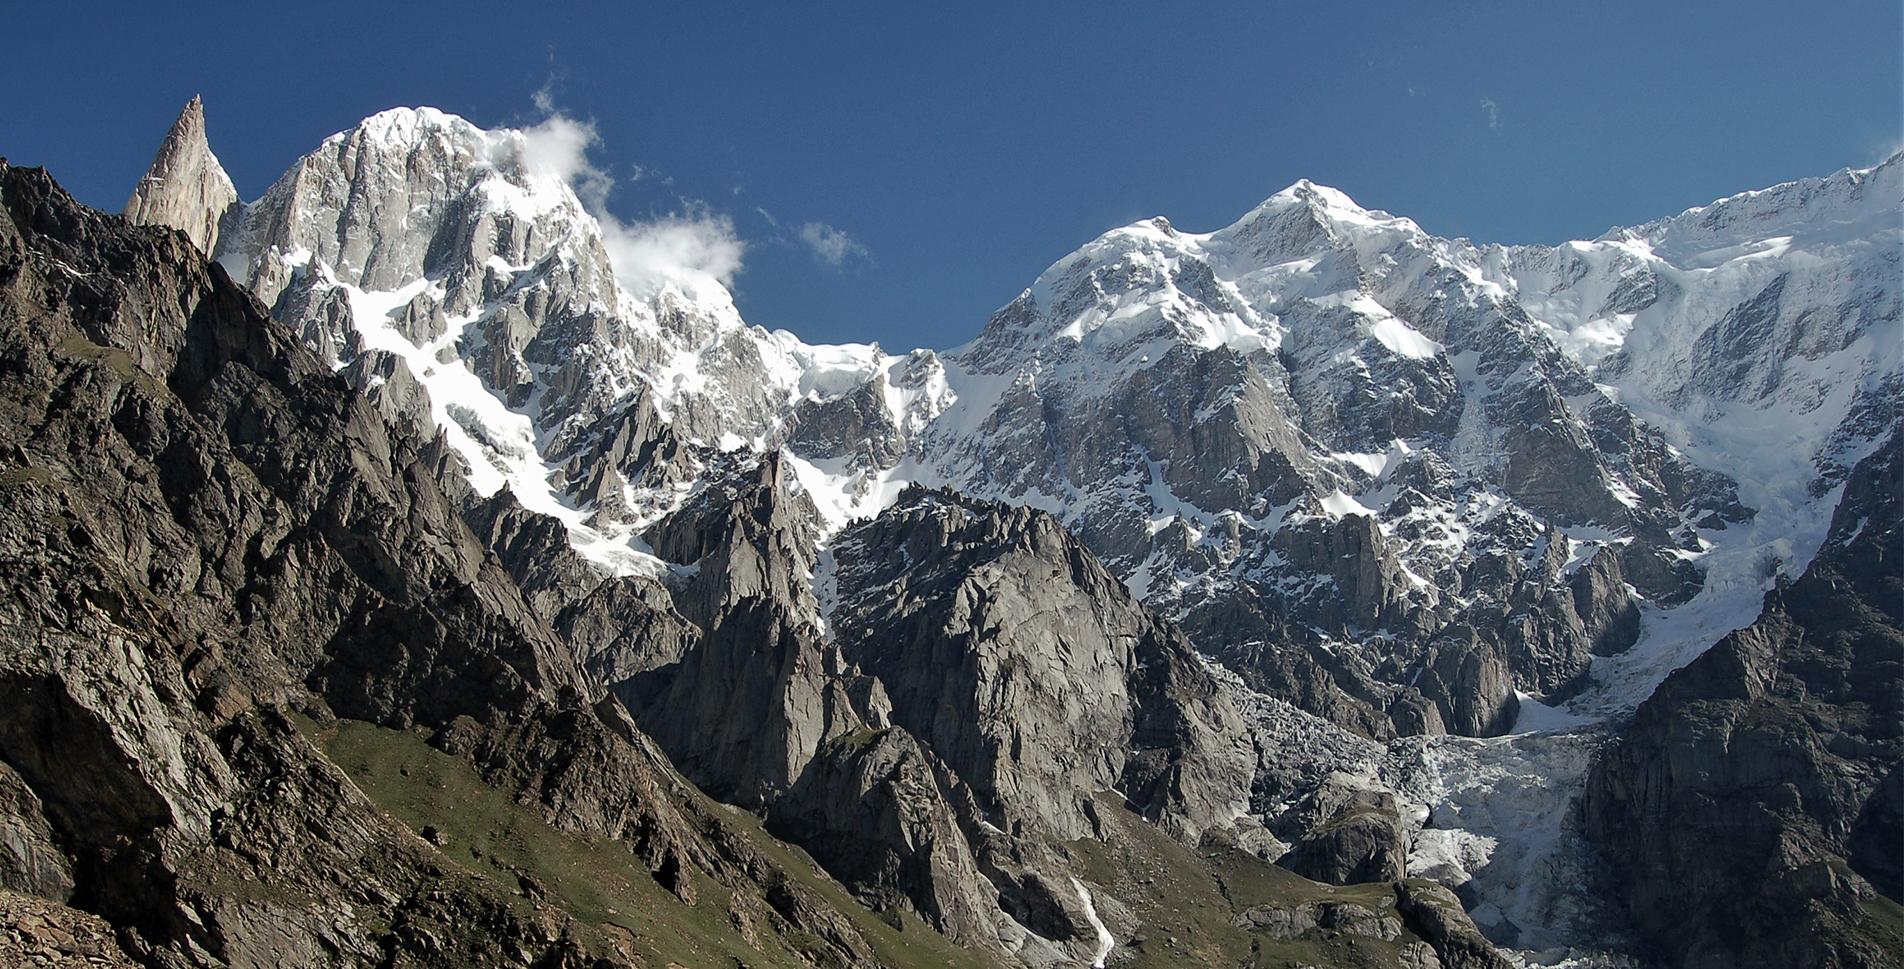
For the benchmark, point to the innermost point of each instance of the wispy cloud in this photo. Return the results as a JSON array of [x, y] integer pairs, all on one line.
[[690, 248], [1884, 148], [559, 146], [685, 249], [1493, 112], [833, 246]]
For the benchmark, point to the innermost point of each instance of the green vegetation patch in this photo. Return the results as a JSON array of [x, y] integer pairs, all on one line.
[[15, 477], [600, 884], [1190, 900]]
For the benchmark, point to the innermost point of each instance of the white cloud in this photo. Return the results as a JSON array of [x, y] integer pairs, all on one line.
[[689, 251], [692, 249], [559, 146], [832, 245], [1493, 112]]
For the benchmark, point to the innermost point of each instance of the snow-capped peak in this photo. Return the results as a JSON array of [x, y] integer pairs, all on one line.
[[1848, 204]]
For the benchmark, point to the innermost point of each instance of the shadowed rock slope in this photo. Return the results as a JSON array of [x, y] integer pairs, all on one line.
[[1753, 807], [211, 549]]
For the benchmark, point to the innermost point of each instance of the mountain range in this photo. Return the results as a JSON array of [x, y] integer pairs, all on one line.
[[394, 582]]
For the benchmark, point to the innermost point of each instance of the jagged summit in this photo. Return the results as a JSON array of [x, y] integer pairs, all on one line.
[[186, 188]]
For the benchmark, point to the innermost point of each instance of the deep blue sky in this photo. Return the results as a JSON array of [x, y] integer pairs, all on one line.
[[968, 146]]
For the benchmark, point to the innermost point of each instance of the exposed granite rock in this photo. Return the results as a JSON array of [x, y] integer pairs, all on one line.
[[856, 427], [749, 706], [185, 187], [1875, 848], [625, 628], [31, 861], [205, 529], [1781, 743], [535, 550], [751, 538], [758, 709], [1471, 687], [1284, 924], [1370, 589], [879, 809], [1606, 610], [1345, 831], [1435, 914], [1011, 652]]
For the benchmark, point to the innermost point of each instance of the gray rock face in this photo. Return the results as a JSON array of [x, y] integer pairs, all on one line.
[[625, 628], [1781, 743], [1009, 650], [1435, 914], [207, 530], [881, 810], [31, 862], [753, 705], [1346, 917], [186, 188], [746, 708], [535, 551], [1345, 831], [1468, 683], [1607, 614]]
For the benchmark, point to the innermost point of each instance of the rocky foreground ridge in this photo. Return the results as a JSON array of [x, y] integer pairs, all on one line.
[[215, 548]]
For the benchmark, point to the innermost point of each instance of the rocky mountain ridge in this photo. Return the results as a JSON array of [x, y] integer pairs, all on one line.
[[1406, 485], [1314, 386], [1784, 742], [215, 546]]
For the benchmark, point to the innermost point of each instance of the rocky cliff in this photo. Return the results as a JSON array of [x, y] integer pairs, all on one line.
[[1752, 806], [216, 547], [186, 188]]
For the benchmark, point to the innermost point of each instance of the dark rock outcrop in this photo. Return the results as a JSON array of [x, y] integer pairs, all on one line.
[[1345, 831], [881, 811], [1010, 651], [207, 532], [1752, 807], [1607, 612], [758, 709], [1435, 914]]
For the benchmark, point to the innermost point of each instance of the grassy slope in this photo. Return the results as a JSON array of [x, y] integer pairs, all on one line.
[[1187, 899], [609, 894]]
